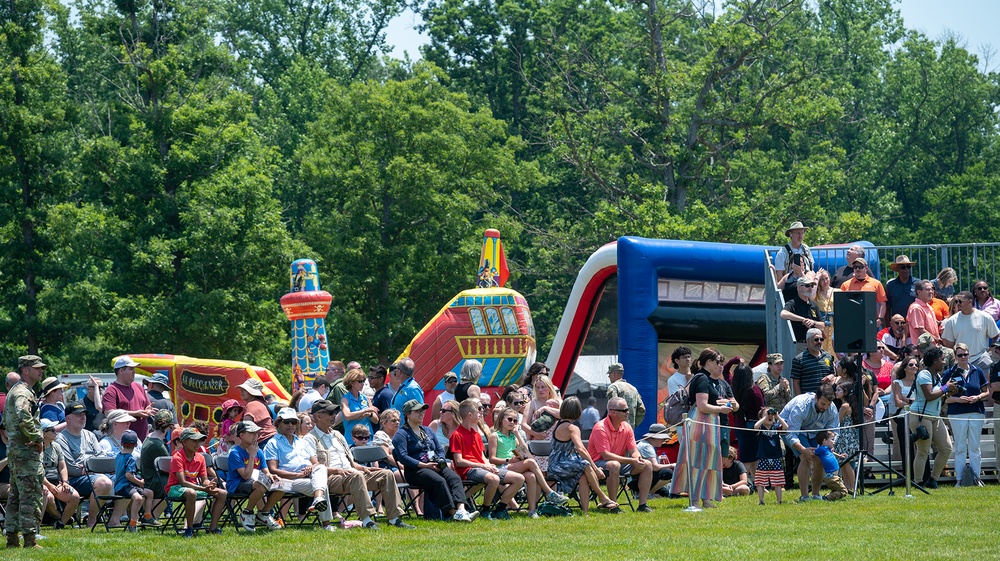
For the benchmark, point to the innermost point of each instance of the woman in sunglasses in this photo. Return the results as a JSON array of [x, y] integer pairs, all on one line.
[[447, 422], [984, 300], [967, 411]]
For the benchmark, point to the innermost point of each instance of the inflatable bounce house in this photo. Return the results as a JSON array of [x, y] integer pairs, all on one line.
[[489, 323], [306, 307], [200, 386], [672, 293]]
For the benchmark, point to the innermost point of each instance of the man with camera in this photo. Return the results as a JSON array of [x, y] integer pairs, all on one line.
[[806, 414], [404, 387], [925, 430], [347, 477]]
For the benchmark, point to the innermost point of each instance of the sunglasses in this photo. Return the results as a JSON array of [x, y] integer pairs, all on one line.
[[449, 410], [290, 421], [484, 407], [906, 267], [362, 438], [859, 267], [518, 403], [807, 285], [899, 323], [621, 410], [982, 288], [912, 365], [818, 339], [511, 419], [961, 355]]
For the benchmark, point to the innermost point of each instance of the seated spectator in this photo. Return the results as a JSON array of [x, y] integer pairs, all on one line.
[[329, 449], [734, 475], [355, 406], [570, 463], [895, 337], [77, 445], [288, 457], [447, 422], [361, 436], [116, 422], [507, 449], [613, 448], [155, 446], [128, 484], [471, 464], [232, 411], [53, 405], [56, 480], [248, 475], [422, 457], [663, 472], [189, 482]]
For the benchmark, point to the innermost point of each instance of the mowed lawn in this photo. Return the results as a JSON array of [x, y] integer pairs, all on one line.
[[950, 524]]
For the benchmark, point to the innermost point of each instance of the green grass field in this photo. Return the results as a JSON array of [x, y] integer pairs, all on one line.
[[950, 524]]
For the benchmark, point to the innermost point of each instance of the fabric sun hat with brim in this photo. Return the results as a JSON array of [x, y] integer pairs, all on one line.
[[51, 384], [413, 405], [230, 404], [159, 378], [119, 416], [901, 261], [191, 434], [253, 386], [656, 431], [125, 361], [797, 225]]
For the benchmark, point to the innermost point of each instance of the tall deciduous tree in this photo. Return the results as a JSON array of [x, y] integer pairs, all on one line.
[[407, 174]]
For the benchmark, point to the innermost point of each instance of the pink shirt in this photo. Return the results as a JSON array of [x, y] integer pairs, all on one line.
[[919, 317], [129, 398], [604, 438]]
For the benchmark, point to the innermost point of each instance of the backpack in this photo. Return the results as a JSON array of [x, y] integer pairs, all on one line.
[[551, 509], [678, 405]]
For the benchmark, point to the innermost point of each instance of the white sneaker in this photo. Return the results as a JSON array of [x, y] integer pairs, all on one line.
[[461, 516], [533, 515], [248, 522], [557, 498], [330, 528], [272, 524]]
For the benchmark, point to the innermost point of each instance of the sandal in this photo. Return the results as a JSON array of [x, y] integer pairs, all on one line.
[[608, 506]]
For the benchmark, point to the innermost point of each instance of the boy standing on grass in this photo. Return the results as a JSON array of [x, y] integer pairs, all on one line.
[[128, 483], [830, 465], [189, 482], [471, 464], [247, 476]]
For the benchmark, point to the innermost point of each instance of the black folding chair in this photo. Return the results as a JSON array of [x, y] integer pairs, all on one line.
[[235, 502], [104, 466]]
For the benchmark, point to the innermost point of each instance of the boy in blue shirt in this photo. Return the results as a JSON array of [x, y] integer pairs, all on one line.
[[248, 475], [128, 483], [831, 465]]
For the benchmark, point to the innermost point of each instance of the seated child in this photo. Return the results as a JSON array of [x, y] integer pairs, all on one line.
[[189, 482], [248, 475], [128, 483], [734, 475], [770, 469], [831, 466], [471, 463]]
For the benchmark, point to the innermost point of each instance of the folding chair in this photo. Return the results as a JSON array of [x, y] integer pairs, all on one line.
[[235, 502], [178, 518], [375, 455], [104, 466]]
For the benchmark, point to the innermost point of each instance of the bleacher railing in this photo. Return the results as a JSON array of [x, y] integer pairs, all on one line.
[[780, 337], [971, 261]]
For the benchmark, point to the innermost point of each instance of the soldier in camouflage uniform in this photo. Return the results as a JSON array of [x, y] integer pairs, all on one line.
[[24, 507]]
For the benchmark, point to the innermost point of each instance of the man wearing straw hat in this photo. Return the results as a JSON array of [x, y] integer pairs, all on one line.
[[901, 291], [787, 255]]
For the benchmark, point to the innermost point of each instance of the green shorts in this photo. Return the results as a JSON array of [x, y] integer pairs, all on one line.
[[177, 493]]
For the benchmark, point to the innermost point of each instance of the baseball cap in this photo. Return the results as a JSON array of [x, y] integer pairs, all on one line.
[[125, 361], [450, 377], [130, 438], [48, 424], [246, 426], [287, 413], [860, 260], [775, 358], [413, 405], [324, 405], [616, 367], [74, 408], [191, 434]]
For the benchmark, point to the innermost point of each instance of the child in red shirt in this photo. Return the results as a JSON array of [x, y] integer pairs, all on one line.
[[189, 482], [471, 463]]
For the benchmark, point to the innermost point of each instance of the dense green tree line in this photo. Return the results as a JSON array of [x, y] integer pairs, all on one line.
[[162, 161]]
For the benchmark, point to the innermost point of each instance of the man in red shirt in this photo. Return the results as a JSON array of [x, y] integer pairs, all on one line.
[[189, 481], [471, 464], [613, 448], [127, 394]]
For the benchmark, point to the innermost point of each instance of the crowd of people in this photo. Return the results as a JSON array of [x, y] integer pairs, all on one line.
[[750, 429]]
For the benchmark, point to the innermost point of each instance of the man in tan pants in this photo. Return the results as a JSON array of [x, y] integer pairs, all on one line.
[[345, 476]]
